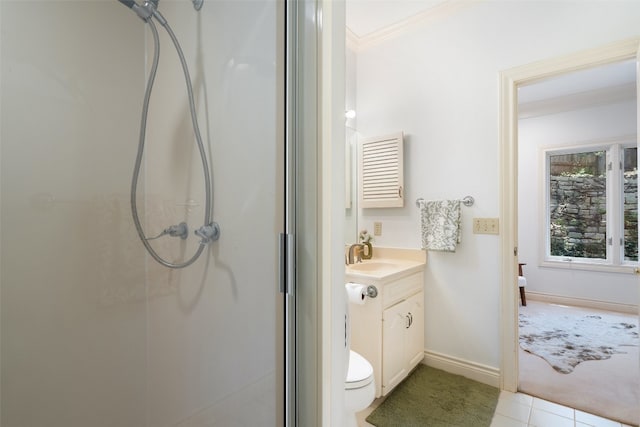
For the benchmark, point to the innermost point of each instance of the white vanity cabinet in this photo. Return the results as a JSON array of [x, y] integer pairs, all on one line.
[[388, 330], [402, 340]]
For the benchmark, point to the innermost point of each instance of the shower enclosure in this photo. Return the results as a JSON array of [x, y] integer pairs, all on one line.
[[94, 332]]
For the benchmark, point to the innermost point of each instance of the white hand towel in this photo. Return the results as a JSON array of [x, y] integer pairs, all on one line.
[[441, 225]]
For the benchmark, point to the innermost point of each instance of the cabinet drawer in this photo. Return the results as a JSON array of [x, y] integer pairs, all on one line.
[[402, 288]]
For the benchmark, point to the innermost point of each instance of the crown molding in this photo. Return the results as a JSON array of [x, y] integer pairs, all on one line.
[[352, 40], [439, 12], [577, 101]]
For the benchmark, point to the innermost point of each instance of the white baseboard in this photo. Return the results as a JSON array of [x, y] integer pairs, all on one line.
[[582, 302], [475, 371]]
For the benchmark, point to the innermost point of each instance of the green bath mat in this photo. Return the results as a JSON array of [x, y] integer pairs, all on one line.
[[431, 397]]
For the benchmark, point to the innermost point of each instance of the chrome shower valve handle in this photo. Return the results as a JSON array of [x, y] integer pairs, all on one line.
[[208, 233], [181, 230]]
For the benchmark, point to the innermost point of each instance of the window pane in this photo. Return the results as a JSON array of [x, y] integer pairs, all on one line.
[[578, 205], [630, 186]]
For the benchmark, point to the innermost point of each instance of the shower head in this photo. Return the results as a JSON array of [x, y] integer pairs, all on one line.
[[197, 5], [145, 11], [128, 3], [132, 3]]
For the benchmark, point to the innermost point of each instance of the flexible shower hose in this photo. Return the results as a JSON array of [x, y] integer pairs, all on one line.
[[141, 142]]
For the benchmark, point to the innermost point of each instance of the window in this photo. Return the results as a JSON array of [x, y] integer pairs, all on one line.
[[591, 205], [630, 203]]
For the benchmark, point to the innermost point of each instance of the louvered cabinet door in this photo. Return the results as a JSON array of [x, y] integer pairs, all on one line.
[[380, 169]]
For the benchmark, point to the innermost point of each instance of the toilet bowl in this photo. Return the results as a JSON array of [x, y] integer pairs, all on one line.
[[359, 387]]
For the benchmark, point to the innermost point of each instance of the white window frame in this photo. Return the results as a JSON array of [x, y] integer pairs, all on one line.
[[614, 261]]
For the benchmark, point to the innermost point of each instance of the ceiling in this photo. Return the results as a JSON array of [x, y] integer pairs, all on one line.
[[596, 78], [606, 84], [366, 17]]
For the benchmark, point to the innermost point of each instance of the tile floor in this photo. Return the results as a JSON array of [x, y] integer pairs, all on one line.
[[522, 410]]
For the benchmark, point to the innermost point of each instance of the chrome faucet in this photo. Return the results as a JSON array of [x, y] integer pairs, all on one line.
[[355, 250]]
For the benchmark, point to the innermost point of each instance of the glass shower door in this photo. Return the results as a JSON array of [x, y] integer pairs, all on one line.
[[93, 331]]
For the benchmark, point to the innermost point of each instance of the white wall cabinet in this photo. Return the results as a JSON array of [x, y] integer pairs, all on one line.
[[381, 172], [389, 330]]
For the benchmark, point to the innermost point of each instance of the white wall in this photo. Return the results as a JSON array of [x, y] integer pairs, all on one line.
[[439, 84], [334, 62], [565, 129]]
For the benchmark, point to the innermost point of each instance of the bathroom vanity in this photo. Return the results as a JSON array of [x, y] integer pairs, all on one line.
[[388, 330]]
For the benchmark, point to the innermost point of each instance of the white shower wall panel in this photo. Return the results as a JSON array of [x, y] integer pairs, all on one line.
[[212, 342], [95, 332], [72, 274]]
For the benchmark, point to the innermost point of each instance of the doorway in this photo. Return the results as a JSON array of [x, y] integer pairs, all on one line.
[[511, 80]]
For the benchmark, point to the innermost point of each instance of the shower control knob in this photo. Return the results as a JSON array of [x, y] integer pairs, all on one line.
[[181, 230], [208, 233]]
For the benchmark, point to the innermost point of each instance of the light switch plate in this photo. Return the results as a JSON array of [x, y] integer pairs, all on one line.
[[486, 226], [377, 229]]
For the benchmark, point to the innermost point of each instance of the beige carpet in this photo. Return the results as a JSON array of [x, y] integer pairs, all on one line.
[[609, 388]]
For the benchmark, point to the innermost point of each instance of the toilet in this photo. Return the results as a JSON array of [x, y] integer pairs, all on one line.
[[359, 385]]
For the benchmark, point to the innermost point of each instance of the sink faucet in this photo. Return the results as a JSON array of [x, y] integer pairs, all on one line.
[[355, 249]]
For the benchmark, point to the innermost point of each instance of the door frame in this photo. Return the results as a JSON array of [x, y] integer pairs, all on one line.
[[509, 81]]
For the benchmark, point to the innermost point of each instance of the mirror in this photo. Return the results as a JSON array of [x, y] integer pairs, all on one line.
[[351, 153], [351, 195]]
